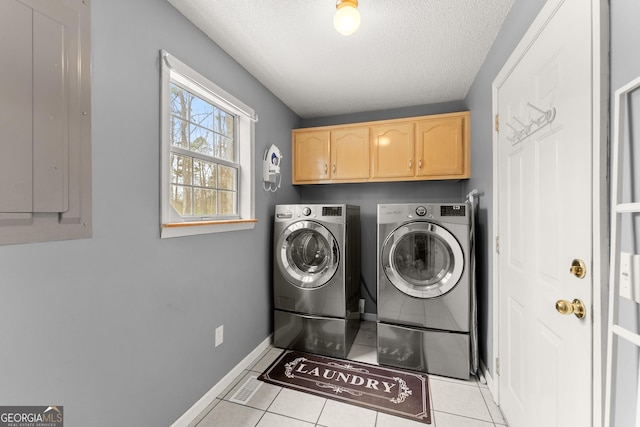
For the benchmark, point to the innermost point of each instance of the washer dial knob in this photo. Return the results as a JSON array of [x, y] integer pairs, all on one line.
[[421, 211], [306, 211]]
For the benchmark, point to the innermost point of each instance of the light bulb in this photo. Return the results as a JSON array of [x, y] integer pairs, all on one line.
[[346, 20]]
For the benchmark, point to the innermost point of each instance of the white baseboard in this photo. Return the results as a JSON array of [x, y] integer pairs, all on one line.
[[371, 317], [489, 379], [197, 408]]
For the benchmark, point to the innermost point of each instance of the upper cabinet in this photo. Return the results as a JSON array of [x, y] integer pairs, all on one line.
[[409, 149], [337, 155], [311, 156], [392, 150], [442, 147], [350, 154]]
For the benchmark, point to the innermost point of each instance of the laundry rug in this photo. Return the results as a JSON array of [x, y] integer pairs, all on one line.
[[401, 393]]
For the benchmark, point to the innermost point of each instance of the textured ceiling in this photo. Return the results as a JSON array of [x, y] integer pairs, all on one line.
[[405, 53]]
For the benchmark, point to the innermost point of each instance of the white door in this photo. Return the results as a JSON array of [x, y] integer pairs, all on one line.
[[544, 153]]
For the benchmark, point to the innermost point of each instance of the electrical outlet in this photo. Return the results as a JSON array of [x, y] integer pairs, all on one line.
[[626, 275], [362, 306], [635, 279], [219, 335]]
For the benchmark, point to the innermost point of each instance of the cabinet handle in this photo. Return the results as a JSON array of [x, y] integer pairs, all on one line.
[[325, 168], [333, 168], [420, 164], [410, 164]]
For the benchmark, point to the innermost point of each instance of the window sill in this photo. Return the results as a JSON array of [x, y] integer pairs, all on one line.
[[181, 229]]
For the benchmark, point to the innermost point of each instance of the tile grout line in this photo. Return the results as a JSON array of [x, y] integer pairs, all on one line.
[[270, 353], [467, 417], [322, 410]]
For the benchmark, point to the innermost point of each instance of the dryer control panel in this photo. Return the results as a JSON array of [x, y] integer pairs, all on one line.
[[447, 212], [453, 210]]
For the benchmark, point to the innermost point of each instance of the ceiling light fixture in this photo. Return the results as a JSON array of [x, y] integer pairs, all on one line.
[[347, 18]]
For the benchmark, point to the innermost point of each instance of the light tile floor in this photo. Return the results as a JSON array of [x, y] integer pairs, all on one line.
[[455, 403]]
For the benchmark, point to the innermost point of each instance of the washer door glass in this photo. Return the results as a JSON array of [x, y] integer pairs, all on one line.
[[422, 259], [307, 254]]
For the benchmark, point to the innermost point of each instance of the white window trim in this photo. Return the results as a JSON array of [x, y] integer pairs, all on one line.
[[171, 224]]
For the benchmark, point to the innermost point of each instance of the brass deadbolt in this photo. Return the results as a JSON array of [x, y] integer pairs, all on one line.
[[578, 268]]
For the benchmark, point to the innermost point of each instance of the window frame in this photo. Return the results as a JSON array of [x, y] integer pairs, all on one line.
[[173, 224]]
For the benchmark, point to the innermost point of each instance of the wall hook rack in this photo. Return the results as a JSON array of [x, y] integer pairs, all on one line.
[[534, 125]]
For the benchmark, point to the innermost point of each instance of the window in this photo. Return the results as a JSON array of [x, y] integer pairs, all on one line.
[[207, 161], [203, 165]]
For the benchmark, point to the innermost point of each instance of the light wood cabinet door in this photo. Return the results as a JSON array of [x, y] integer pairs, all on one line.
[[311, 156], [442, 147], [406, 149], [350, 154], [392, 151]]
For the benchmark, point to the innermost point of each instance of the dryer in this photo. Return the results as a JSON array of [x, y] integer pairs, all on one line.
[[316, 277], [424, 287]]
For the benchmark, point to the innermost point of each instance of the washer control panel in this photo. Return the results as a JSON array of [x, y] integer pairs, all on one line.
[[422, 211], [330, 213]]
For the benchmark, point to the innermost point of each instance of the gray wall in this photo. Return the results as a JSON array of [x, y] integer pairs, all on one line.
[[119, 328], [625, 66], [418, 110], [478, 101], [368, 195]]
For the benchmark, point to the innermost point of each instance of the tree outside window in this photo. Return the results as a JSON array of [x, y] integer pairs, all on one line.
[[203, 158]]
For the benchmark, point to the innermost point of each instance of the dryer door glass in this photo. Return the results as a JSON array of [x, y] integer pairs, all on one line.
[[308, 254], [422, 259]]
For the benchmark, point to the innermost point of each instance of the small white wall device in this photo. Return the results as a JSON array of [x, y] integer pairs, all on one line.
[[271, 168]]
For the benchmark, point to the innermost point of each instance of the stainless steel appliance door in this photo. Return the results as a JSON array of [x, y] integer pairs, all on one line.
[[422, 259], [308, 255]]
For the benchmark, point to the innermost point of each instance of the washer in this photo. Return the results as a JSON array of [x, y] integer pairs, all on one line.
[[316, 278], [424, 288]]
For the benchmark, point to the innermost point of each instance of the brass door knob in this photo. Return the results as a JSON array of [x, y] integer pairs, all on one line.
[[575, 307], [578, 268]]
